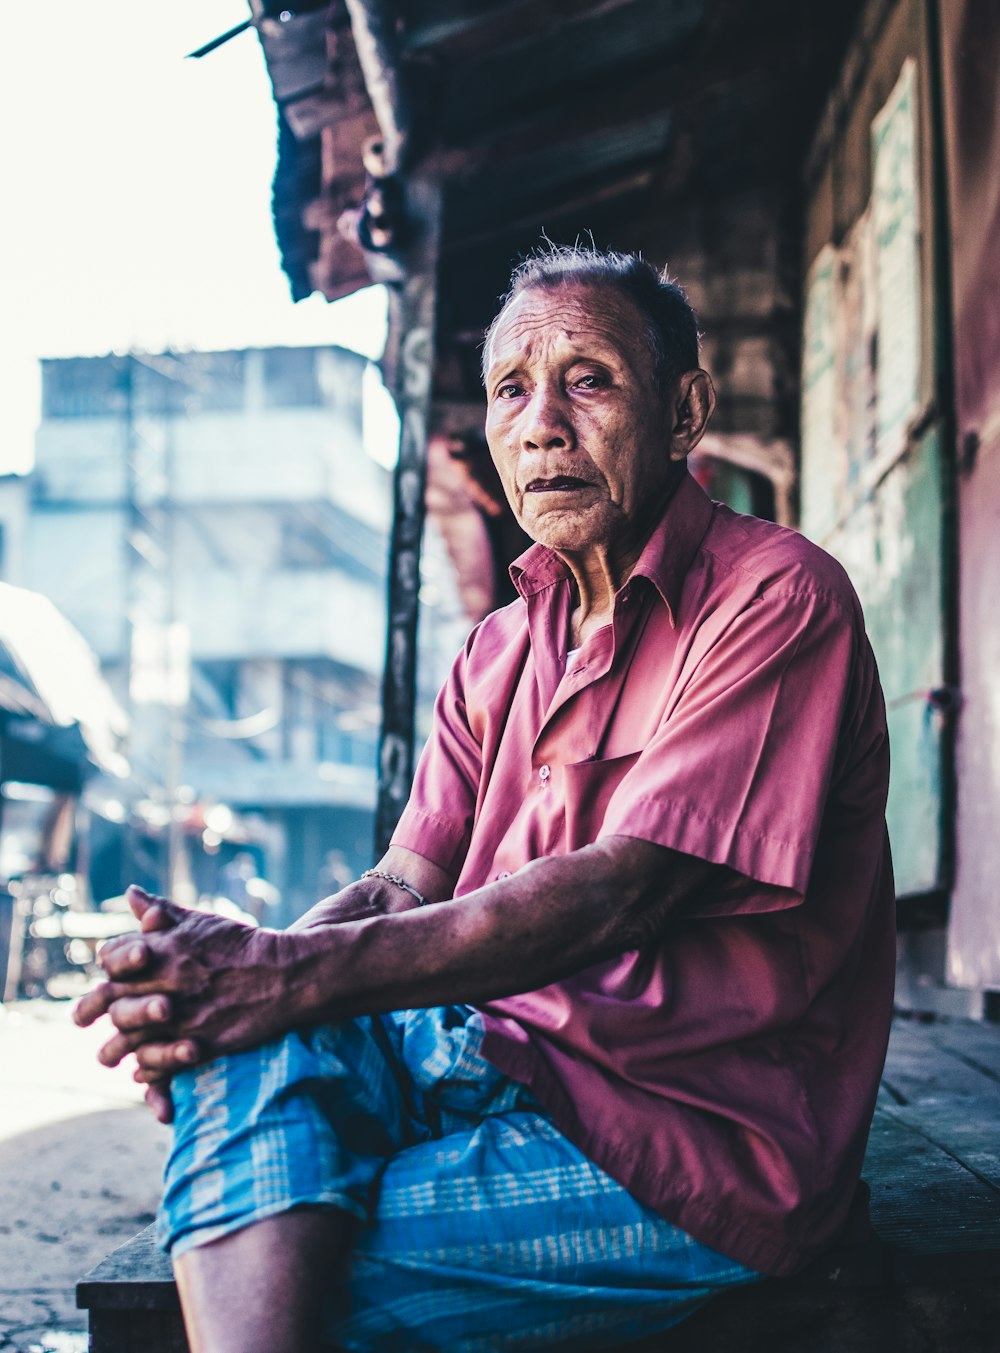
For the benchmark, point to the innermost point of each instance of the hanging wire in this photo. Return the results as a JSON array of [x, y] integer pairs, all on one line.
[[218, 42]]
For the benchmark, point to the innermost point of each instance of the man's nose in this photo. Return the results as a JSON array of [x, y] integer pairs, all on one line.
[[546, 424]]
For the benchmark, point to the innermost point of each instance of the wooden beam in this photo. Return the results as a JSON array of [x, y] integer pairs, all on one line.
[[414, 309], [593, 197], [537, 181], [531, 130], [330, 107], [456, 33], [537, 71], [771, 457]]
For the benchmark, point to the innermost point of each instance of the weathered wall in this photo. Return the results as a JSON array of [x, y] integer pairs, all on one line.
[[875, 439], [971, 51]]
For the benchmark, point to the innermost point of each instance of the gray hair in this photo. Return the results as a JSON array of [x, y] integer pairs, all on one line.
[[672, 328]]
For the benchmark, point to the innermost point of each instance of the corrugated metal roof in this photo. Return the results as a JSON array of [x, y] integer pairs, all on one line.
[[544, 109], [297, 181]]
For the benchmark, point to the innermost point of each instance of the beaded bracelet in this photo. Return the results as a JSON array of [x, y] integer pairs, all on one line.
[[400, 883]]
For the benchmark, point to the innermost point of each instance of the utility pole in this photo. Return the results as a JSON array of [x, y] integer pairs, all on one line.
[[154, 640]]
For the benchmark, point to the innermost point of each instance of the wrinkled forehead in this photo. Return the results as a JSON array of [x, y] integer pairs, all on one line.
[[572, 316]]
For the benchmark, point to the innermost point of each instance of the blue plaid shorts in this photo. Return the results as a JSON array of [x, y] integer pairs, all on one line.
[[481, 1227]]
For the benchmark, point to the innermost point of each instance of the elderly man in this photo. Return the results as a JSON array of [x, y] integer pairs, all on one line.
[[602, 1032]]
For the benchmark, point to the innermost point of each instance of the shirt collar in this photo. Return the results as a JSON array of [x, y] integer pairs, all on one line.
[[665, 560]]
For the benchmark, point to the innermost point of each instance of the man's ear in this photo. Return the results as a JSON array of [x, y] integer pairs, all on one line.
[[692, 407]]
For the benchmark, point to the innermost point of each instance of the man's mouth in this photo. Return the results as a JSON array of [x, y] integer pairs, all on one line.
[[562, 483]]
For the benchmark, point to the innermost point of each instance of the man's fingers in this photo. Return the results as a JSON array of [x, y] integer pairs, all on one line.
[[92, 1006], [161, 1103], [153, 913], [166, 1058], [140, 901], [106, 994], [112, 1052], [127, 1010], [158, 918], [129, 1013], [125, 957], [145, 1076], [163, 1058]]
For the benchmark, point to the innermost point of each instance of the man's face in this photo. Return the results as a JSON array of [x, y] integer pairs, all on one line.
[[576, 425]]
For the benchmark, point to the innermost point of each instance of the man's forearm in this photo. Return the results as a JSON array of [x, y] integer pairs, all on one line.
[[377, 895], [554, 917], [224, 986]]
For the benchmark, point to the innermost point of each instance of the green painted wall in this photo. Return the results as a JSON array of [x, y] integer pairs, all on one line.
[[892, 546]]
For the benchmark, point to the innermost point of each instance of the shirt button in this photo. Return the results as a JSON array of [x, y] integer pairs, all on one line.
[[543, 773], [504, 874]]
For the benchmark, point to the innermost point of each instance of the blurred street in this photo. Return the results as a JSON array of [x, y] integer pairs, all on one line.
[[80, 1161]]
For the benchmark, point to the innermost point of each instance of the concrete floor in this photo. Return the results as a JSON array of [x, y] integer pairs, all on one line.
[[80, 1161]]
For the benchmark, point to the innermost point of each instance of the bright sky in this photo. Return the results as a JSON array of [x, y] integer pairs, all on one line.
[[136, 189]]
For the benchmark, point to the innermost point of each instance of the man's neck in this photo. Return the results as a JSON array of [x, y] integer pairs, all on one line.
[[601, 572]]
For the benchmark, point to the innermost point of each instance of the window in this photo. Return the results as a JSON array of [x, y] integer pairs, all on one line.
[[84, 387]]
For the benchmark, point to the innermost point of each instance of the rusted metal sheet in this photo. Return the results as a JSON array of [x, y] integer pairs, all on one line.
[[970, 40]]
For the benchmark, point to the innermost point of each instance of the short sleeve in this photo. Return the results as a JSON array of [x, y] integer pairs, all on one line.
[[739, 771], [438, 817]]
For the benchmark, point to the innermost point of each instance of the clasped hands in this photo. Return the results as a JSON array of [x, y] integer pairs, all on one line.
[[188, 987]]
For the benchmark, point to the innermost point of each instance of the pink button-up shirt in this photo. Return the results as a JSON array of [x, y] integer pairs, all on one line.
[[727, 1073]]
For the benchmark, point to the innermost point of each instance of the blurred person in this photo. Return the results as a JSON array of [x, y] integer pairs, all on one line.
[[236, 875], [335, 873]]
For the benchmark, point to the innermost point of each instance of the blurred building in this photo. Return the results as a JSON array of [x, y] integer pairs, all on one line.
[[213, 526]]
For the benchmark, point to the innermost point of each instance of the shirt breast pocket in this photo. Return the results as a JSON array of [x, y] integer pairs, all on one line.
[[589, 787]]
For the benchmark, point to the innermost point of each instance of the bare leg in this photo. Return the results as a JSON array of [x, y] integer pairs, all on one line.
[[260, 1289]]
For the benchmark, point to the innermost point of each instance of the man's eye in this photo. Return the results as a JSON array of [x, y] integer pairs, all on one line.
[[508, 391], [588, 381]]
